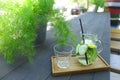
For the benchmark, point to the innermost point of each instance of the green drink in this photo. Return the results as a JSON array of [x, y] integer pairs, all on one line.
[[87, 52]]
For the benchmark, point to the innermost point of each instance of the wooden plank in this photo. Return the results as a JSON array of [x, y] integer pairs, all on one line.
[[35, 71], [39, 69], [76, 68], [115, 46], [115, 36], [115, 30], [6, 68]]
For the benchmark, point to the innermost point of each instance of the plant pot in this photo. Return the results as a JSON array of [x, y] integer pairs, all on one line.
[[41, 34]]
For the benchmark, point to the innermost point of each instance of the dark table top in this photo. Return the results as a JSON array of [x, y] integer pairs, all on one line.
[[41, 69]]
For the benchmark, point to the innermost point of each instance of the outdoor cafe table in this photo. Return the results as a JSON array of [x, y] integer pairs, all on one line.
[[41, 68]]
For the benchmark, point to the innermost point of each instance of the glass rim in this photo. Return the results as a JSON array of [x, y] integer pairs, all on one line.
[[88, 33], [54, 47]]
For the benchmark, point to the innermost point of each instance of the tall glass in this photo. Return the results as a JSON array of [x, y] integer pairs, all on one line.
[[63, 54]]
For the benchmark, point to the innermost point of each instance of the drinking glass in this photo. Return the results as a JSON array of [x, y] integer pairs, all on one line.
[[63, 54]]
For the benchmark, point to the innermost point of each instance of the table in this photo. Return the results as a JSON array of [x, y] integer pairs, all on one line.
[[40, 69]]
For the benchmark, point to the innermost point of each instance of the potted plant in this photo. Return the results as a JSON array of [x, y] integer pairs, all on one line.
[[98, 3], [20, 22], [43, 10]]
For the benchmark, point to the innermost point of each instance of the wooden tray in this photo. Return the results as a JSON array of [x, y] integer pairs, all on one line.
[[76, 68]]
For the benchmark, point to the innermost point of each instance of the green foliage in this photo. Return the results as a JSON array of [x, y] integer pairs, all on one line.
[[17, 30], [62, 31], [75, 0], [43, 9], [92, 53], [98, 2], [18, 24]]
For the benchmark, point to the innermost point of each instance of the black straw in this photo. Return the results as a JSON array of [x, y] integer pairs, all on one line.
[[82, 30], [83, 39]]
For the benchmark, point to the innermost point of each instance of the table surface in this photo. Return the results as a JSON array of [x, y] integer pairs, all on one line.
[[41, 68]]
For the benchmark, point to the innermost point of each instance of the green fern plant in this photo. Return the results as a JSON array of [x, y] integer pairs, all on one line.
[[17, 30], [19, 22], [43, 9], [63, 33]]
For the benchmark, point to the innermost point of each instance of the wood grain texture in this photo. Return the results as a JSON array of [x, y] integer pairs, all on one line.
[[115, 36], [115, 30], [115, 40], [76, 68], [115, 46], [6, 68]]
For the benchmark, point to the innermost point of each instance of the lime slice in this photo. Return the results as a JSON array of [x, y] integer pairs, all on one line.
[[77, 48], [92, 46], [83, 62], [82, 49]]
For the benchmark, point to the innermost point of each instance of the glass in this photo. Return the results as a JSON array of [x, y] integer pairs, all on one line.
[[63, 54], [87, 52]]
